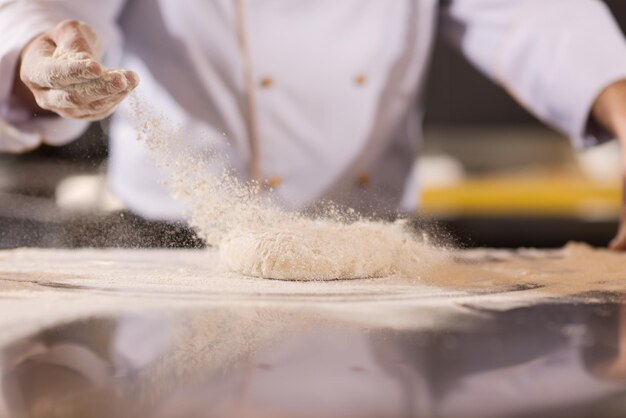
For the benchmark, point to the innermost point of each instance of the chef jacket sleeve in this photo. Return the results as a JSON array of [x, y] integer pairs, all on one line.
[[21, 21], [553, 56]]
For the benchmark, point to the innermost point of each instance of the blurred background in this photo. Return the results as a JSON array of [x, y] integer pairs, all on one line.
[[491, 175]]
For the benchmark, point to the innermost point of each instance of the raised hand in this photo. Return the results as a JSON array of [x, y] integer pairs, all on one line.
[[60, 72]]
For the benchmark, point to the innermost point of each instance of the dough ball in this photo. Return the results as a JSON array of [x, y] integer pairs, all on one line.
[[314, 250]]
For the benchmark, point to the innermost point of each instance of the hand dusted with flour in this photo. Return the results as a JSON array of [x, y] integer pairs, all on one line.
[[60, 72]]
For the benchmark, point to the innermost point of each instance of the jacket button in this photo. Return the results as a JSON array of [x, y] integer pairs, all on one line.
[[360, 79], [363, 180], [274, 182], [267, 82]]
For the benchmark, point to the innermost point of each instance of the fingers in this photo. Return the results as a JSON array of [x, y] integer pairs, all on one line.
[[132, 78], [92, 100], [93, 111], [64, 56], [58, 73], [99, 109], [109, 84]]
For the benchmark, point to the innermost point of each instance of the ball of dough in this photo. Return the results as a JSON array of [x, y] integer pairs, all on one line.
[[313, 250]]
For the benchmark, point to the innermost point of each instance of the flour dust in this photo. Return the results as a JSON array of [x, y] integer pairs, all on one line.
[[256, 237]]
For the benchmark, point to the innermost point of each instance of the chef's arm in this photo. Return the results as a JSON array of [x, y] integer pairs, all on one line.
[[555, 57], [50, 66], [609, 111]]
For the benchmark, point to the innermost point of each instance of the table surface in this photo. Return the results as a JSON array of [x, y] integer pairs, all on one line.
[[172, 333]]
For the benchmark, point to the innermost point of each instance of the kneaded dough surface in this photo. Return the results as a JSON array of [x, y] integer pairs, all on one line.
[[318, 250]]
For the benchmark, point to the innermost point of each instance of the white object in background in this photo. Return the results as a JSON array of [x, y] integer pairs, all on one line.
[[602, 163], [439, 170], [86, 193]]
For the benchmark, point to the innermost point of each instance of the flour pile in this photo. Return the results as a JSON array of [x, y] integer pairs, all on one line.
[[256, 237]]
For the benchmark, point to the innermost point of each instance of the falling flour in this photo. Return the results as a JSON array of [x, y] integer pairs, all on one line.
[[256, 237]]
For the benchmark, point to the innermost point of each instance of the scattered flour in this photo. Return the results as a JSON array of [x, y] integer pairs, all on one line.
[[257, 238]]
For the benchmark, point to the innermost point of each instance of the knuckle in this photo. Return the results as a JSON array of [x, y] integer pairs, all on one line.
[[70, 24], [77, 44], [93, 67]]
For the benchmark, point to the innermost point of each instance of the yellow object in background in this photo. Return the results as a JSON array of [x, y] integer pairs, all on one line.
[[567, 197]]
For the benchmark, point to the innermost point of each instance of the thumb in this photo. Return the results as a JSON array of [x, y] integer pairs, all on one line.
[[76, 40]]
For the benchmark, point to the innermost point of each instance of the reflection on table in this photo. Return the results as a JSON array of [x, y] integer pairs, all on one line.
[[553, 359]]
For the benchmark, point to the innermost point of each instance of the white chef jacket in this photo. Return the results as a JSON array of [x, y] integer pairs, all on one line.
[[324, 96]]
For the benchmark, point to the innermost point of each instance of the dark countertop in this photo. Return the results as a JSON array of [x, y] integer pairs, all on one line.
[[553, 359]]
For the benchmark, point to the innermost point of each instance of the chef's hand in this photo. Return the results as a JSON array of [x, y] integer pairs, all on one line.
[[60, 72], [610, 111]]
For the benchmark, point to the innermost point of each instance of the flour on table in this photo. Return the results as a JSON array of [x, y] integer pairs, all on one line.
[[256, 237]]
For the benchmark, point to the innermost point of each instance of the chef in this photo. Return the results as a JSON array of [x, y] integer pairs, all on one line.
[[319, 99]]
